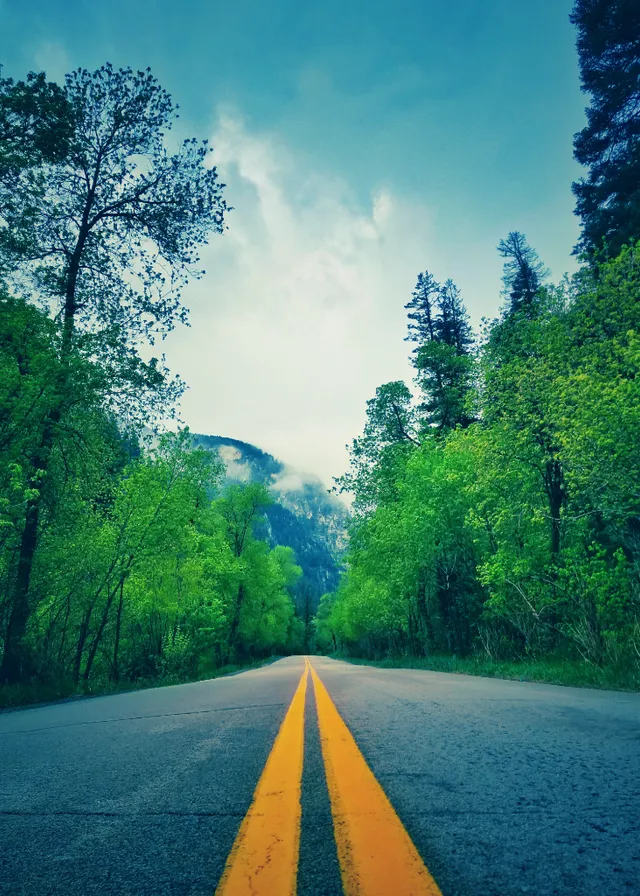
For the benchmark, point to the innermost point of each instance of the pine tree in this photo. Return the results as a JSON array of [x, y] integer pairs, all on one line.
[[422, 310], [524, 274], [439, 325], [452, 323], [608, 199]]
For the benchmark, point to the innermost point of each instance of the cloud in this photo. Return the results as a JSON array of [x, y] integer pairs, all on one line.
[[291, 480], [236, 468], [300, 315], [51, 57]]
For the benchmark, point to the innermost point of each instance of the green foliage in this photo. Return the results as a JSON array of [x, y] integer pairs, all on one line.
[[108, 231], [445, 377], [36, 125], [138, 573], [119, 562], [389, 436], [439, 327], [422, 308], [516, 537]]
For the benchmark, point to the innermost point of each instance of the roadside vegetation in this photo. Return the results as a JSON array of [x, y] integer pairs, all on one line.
[[496, 523], [496, 500], [570, 673], [37, 692], [122, 561]]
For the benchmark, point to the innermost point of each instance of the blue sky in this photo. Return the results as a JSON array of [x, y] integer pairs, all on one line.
[[361, 143]]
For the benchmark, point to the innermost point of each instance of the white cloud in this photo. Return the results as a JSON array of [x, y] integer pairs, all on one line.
[[51, 57], [300, 315], [236, 468], [291, 480]]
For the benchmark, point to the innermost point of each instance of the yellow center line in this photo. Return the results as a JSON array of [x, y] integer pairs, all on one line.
[[376, 855], [264, 857]]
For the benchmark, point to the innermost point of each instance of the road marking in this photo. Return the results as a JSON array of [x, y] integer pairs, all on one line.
[[264, 857], [376, 855]]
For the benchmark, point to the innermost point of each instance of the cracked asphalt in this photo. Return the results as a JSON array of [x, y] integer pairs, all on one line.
[[505, 787]]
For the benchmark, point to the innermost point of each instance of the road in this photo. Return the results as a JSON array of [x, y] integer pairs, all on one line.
[[493, 788]]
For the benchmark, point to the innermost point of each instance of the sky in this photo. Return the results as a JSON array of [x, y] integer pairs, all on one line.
[[361, 141]]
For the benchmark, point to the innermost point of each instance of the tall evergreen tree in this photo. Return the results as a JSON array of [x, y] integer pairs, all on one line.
[[608, 199], [524, 273], [452, 322], [422, 310], [439, 325]]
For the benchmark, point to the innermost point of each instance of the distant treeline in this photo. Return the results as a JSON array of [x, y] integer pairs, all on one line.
[[497, 506]]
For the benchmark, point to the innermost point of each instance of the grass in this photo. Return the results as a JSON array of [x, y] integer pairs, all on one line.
[[553, 671], [15, 696]]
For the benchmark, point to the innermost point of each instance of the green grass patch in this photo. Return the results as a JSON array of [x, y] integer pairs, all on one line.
[[15, 696], [552, 671]]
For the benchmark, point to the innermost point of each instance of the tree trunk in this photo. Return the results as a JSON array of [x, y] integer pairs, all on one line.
[[116, 647], [554, 482], [12, 669], [64, 631], [82, 638], [423, 612], [235, 622], [96, 641], [13, 660]]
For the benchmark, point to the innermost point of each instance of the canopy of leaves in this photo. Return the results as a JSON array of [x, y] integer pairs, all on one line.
[[36, 126], [107, 228]]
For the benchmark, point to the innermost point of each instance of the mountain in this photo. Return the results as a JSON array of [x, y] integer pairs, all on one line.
[[304, 515]]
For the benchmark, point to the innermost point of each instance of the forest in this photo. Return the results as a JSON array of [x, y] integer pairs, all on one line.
[[122, 559], [497, 501]]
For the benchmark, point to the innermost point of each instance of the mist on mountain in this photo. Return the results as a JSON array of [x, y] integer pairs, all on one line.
[[304, 515]]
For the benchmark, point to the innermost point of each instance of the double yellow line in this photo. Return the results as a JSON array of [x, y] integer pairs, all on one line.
[[376, 855]]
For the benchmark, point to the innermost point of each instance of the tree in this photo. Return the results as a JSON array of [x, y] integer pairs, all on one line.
[[114, 236], [29, 394], [36, 126], [109, 235], [445, 377], [325, 637], [445, 365], [524, 274], [521, 365], [608, 199], [422, 311], [452, 322], [439, 325], [241, 509], [267, 611], [390, 434], [410, 581]]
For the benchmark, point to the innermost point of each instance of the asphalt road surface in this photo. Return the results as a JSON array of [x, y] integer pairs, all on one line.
[[504, 787]]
